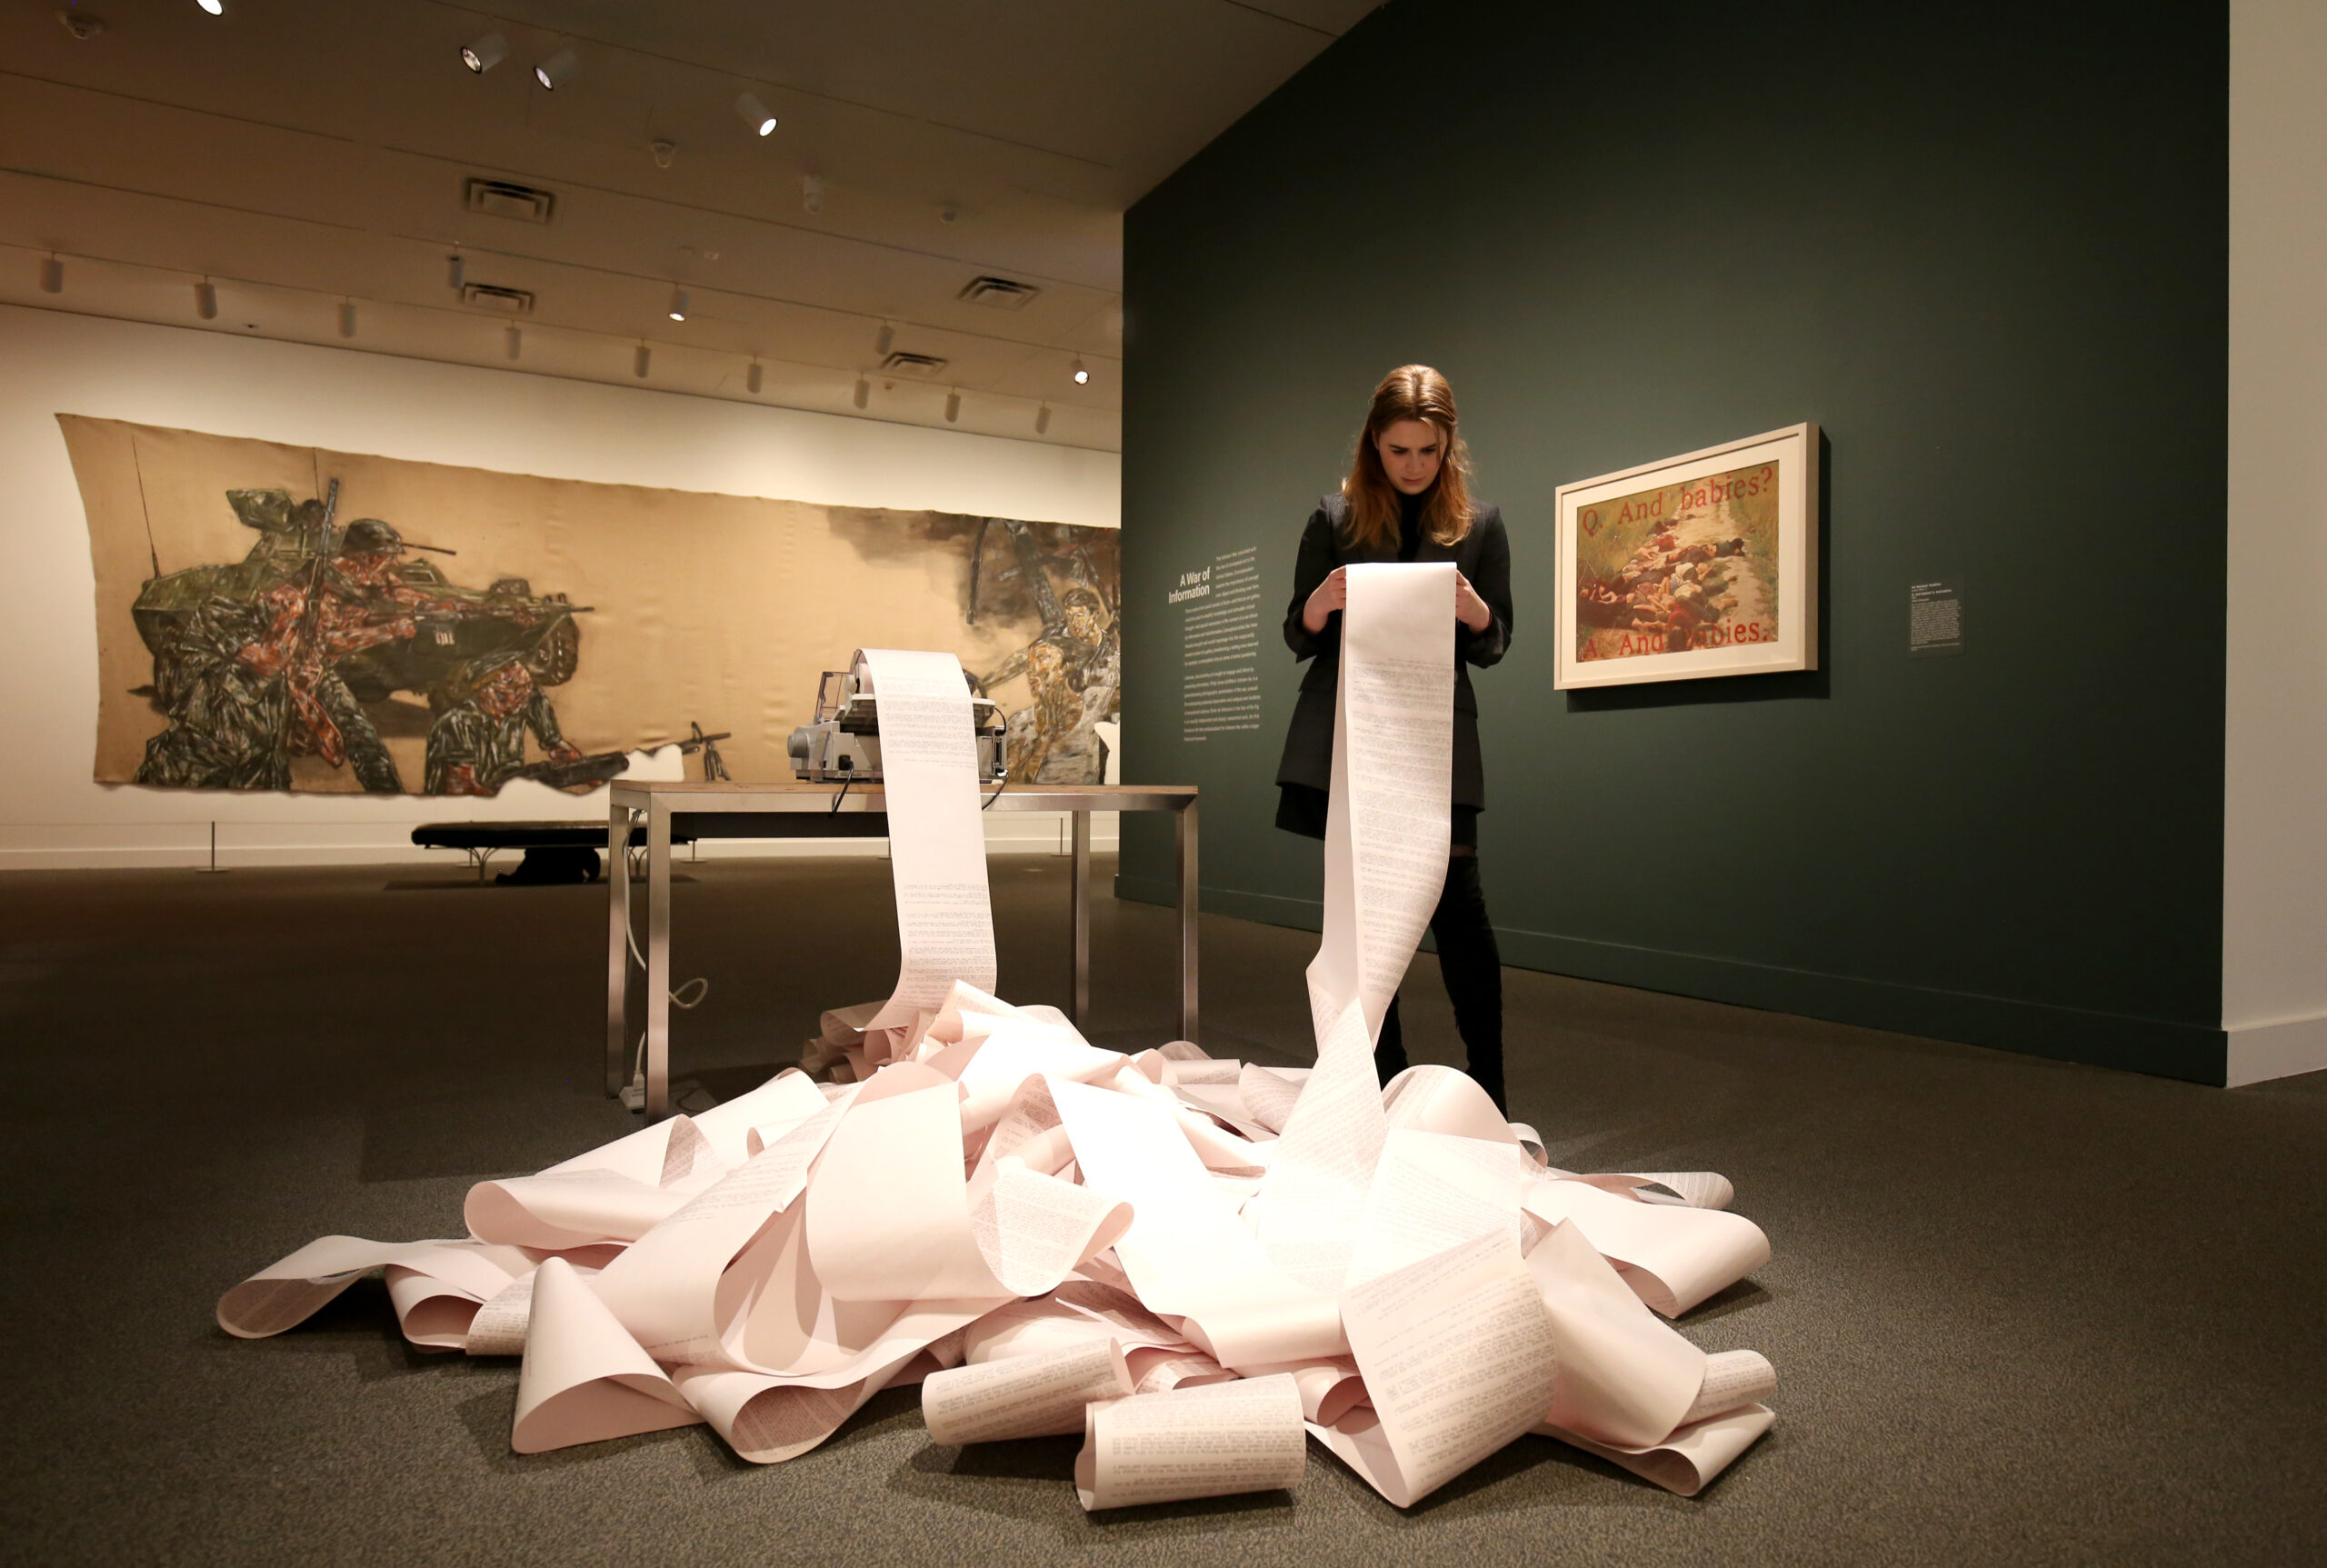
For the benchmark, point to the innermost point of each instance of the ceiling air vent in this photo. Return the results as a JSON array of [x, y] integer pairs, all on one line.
[[928, 366], [502, 199], [492, 297], [1001, 292]]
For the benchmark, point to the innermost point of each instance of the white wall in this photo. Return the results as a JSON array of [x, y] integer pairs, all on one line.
[[2274, 850], [52, 814]]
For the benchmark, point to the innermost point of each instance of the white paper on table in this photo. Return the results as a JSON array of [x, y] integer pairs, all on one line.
[[1457, 1357], [1687, 1463], [1215, 1440], [584, 1378], [291, 1290], [1187, 1254], [1023, 1395], [1673, 1256], [929, 779]]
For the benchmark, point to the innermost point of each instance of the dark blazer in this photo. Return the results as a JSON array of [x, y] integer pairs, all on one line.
[[1483, 557]]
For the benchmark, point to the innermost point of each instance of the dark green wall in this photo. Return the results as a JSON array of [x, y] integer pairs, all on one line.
[[1985, 248]]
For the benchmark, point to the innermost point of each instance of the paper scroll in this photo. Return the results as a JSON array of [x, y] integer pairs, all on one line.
[[929, 779], [1199, 1264], [1212, 1442]]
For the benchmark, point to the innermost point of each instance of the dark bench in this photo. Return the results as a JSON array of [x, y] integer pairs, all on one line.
[[481, 841]]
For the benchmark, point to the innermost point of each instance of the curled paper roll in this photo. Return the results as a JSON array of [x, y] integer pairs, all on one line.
[[1210, 1441], [1687, 1463], [1024, 1396]]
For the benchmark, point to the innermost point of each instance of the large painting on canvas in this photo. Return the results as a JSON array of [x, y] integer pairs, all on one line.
[[273, 617]]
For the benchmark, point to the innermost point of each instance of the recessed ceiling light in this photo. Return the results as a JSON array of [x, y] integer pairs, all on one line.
[[678, 305], [485, 53], [558, 70], [754, 114]]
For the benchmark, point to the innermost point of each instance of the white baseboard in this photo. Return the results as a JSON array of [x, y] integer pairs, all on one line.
[[130, 847], [2261, 1052]]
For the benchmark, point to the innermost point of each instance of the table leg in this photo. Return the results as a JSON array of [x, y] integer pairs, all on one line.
[[617, 953], [658, 959], [1187, 841], [1079, 878]]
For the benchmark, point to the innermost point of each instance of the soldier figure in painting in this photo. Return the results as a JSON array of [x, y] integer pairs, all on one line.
[[354, 604], [225, 729], [477, 742]]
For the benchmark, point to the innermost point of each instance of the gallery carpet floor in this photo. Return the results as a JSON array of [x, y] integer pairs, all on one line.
[[2023, 1313]]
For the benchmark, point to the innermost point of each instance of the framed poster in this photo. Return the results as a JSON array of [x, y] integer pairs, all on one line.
[[1702, 564]]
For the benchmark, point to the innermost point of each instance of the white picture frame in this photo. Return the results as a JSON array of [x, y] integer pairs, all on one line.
[[1692, 566]]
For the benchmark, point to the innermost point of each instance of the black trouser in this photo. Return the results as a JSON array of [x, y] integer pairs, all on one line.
[[1472, 967]]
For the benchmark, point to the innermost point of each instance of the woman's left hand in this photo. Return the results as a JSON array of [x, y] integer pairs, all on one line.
[[1469, 608]]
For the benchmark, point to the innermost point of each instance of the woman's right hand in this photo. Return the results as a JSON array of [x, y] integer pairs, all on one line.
[[1332, 594]]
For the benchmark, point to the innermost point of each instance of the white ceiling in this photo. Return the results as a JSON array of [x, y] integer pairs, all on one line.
[[301, 155]]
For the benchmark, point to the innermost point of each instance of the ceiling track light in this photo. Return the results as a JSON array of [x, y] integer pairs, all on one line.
[[558, 70], [642, 361], [216, 7], [1043, 420], [485, 53], [347, 318], [953, 406], [512, 342], [886, 341], [754, 114], [457, 271], [52, 276], [751, 379], [863, 394], [205, 300], [812, 193], [678, 311], [1082, 374]]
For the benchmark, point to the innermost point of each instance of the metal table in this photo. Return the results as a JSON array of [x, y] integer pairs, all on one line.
[[729, 810]]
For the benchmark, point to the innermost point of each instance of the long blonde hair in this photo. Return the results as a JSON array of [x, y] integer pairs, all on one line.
[[1409, 392]]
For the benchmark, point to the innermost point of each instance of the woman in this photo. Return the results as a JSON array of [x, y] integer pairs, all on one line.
[[1408, 498]]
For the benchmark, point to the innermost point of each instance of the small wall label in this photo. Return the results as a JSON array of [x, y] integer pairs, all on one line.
[[1935, 619]]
